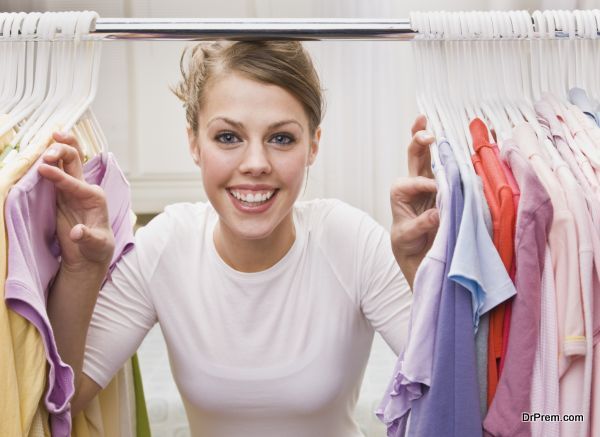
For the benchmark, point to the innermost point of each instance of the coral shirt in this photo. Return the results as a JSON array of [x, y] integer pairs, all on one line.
[[500, 198]]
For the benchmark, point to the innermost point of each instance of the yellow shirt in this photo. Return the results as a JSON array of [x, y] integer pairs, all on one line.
[[23, 363]]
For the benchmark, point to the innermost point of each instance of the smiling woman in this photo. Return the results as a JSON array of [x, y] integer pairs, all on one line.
[[268, 305]]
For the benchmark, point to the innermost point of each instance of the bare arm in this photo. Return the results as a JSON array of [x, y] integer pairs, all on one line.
[[70, 305], [87, 244]]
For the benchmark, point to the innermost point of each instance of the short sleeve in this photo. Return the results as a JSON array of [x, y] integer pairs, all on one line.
[[124, 311], [385, 296]]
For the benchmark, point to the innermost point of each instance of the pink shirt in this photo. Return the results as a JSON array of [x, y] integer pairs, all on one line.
[[563, 246], [576, 382], [533, 224], [544, 385]]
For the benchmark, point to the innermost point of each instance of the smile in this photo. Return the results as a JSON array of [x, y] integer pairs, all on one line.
[[253, 202]]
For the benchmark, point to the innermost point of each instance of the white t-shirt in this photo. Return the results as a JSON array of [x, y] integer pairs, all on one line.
[[279, 352]]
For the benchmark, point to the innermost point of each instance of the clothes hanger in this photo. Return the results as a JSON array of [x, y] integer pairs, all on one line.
[[16, 82], [51, 70], [10, 64], [485, 56], [77, 78], [92, 60], [28, 65], [38, 80], [61, 80], [433, 123], [458, 95], [3, 51]]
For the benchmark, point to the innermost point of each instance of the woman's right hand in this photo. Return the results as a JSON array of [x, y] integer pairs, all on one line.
[[82, 222]]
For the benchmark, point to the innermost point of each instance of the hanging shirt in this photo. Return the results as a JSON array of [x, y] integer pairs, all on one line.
[[565, 255], [451, 405], [412, 374], [558, 136], [512, 183], [276, 352], [23, 363], [576, 383], [33, 260], [500, 199], [533, 224], [579, 97], [544, 384], [580, 137], [481, 336], [477, 265]]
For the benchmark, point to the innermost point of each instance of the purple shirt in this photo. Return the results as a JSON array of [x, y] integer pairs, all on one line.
[[513, 395], [34, 259], [451, 405], [413, 368]]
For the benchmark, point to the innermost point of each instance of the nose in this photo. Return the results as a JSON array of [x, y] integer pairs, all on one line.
[[255, 161]]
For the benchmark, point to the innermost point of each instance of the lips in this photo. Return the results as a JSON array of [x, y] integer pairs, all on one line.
[[252, 201]]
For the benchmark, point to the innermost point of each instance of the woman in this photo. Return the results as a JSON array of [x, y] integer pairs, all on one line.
[[268, 305]]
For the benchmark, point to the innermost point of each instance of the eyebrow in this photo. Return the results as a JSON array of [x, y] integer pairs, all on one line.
[[240, 125]]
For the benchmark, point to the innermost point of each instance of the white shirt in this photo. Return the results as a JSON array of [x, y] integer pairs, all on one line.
[[279, 352]]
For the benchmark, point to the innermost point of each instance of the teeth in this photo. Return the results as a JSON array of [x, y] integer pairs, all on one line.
[[253, 198]]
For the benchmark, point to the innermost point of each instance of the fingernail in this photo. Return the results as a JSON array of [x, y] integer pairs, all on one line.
[[51, 152], [78, 232], [425, 136], [434, 216]]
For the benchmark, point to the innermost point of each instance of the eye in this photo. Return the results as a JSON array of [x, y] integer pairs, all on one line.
[[227, 138], [283, 139]]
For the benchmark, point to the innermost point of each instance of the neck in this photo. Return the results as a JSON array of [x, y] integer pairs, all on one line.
[[254, 255]]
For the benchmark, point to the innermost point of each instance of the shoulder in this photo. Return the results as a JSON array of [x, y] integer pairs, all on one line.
[[177, 224], [341, 231], [179, 217], [326, 216]]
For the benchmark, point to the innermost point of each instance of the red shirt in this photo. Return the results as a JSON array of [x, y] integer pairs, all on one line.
[[500, 198]]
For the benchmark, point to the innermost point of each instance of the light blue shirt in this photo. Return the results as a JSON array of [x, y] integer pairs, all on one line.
[[476, 264], [588, 106]]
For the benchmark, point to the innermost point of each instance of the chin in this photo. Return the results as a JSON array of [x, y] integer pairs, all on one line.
[[249, 232]]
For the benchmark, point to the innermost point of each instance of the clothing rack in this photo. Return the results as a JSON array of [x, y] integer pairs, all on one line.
[[247, 29], [197, 29]]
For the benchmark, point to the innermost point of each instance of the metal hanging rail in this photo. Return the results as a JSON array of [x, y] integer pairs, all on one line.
[[197, 29]]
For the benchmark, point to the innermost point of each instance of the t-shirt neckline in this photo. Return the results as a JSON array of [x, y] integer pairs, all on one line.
[[291, 255]]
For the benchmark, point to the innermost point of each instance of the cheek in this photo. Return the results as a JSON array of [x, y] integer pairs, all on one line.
[[291, 170], [216, 167]]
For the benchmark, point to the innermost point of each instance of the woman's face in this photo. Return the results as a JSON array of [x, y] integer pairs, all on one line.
[[253, 146]]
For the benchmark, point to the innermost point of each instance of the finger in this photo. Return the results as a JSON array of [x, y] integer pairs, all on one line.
[[66, 138], [80, 233], [92, 242], [405, 190], [415, 228], [419, 158], [66, 156], [64, 182], [419, 124]]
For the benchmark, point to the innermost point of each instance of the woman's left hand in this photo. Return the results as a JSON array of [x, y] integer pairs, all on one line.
[[415, 217]]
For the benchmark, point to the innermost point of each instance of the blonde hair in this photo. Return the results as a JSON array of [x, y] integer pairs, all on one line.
[[282, 63]]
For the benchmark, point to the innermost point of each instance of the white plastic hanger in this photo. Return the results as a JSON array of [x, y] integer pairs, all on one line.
[[16, 82], [37, 78], [60, 83], [75, 80], [10, 65], [51, 70], [434, 125]]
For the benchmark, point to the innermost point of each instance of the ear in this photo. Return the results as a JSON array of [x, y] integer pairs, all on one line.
[[194, 147], [314, 147]]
